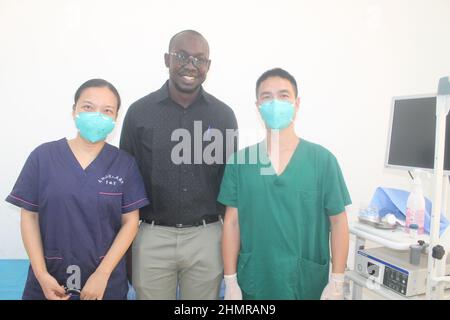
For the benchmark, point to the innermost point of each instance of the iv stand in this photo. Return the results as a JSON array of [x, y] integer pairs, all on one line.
[[436, 266]]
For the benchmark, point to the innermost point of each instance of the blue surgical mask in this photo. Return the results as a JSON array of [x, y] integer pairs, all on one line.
[[94, 126], [277, 114]]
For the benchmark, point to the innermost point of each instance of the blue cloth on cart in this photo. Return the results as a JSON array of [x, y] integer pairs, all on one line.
[[389, 200]]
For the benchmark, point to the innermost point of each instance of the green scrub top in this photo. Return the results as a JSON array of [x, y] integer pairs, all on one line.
[[284, 220]]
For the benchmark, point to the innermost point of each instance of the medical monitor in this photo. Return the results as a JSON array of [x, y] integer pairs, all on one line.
[[412, 134]]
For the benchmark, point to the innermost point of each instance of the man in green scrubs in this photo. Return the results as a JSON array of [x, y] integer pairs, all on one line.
[[285, 196]]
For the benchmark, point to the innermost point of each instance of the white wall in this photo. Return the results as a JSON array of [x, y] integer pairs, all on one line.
[[349, 57]]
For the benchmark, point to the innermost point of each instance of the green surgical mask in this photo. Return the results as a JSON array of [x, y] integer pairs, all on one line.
[[94, 126], [277, 114]]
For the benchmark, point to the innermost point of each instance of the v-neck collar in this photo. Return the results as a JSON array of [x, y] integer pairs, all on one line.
[[77, 166], [266, 159]]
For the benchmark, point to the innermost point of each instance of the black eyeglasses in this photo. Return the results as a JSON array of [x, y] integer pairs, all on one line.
[[184, 59]]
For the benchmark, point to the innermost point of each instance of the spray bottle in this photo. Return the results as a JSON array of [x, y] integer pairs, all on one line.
[[415, 208]]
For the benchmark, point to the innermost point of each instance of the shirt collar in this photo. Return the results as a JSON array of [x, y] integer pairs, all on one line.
[[163, 94]]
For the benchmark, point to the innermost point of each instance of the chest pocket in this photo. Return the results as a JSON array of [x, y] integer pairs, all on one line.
[[109, 206], [309, 207]]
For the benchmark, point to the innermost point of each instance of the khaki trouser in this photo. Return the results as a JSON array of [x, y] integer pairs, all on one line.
[[164, 257]]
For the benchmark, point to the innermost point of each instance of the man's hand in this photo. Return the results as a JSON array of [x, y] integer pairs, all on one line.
[[232, 289], [335, 288]]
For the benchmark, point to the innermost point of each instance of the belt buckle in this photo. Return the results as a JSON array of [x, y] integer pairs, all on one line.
[[179, 225]]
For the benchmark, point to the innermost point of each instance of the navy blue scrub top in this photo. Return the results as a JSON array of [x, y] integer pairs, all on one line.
[[79, 210]]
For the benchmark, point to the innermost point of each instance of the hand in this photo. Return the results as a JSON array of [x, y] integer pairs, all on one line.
[[95, 286], [232, 289], [335, 288], [51, 288]]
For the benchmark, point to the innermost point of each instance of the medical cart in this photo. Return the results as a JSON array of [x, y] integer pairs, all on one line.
[[388, 276], [395, 241]]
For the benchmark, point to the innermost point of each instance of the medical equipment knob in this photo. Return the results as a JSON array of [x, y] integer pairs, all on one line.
[[438, 252]]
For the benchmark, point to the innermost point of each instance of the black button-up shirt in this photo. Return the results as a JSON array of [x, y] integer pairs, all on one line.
[[179, 191]]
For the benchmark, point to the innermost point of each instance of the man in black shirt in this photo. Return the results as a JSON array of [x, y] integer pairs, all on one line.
[[181, 137]]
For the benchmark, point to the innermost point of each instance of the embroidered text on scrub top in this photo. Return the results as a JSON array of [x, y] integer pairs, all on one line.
[[111, 180]]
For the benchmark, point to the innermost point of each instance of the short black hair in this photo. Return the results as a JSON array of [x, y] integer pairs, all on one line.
[[193, 32], [277, 72], [97, 83]]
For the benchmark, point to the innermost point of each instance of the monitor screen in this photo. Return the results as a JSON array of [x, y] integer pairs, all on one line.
[[412, 133]]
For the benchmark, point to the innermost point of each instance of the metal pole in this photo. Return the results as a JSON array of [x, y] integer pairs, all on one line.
[[434, 265]]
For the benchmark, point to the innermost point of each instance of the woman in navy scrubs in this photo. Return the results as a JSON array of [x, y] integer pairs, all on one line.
[[80, 203]]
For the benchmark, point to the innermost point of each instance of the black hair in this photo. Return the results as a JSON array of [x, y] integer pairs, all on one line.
[[277, 72], [97, 83], [193, 32]]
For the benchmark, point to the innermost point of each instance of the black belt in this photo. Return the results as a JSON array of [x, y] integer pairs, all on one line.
[[203, 221]]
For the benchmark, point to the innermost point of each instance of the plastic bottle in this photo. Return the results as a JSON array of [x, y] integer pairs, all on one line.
[[413, 230], [415, 207]]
